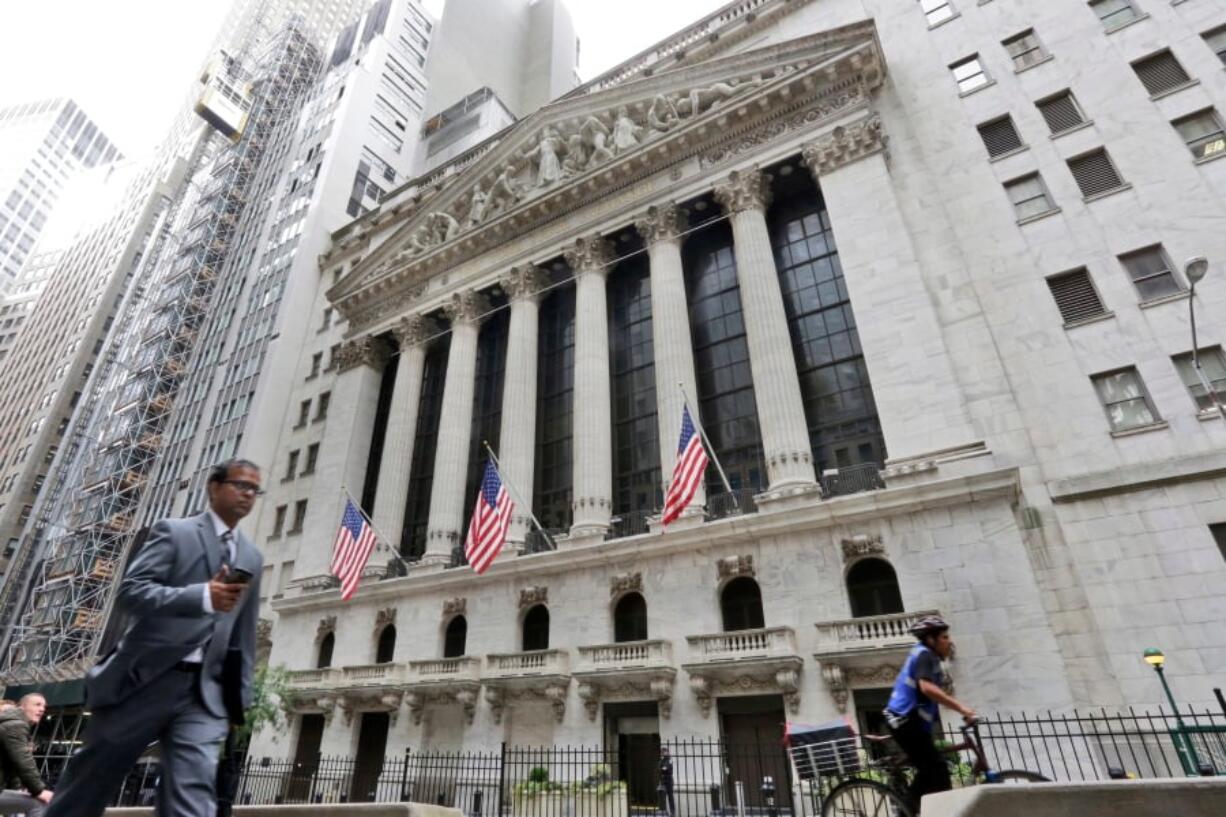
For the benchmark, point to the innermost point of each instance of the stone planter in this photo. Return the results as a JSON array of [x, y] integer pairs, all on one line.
[[593, 804], [541, 804]]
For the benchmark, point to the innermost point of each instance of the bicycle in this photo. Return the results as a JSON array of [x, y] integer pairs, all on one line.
[[864, 797]]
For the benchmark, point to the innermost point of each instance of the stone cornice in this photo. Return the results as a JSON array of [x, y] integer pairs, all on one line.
[[844, 145], [733, 532]]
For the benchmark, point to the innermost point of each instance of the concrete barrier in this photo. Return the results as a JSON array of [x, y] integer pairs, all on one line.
[[322, 810], [1167, 797]]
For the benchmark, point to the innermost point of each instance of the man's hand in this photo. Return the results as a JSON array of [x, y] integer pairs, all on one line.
[[44, 796], [224, 596], [969, 715]]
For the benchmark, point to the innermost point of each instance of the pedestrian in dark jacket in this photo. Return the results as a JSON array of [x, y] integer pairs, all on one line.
[[17, 766]]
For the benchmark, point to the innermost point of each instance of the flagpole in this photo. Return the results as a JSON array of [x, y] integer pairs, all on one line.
[[515, 495], [378, 533], [685, 400]]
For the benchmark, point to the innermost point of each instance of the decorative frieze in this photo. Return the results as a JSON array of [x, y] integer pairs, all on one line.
[[664, 222], [657, 686], [734, 566], [532, 596], [746, 189], [626, 583], [363, 351], [455, 606], [553, 692], [327, 624], [844, 145], [383, 618], [783, 681], [861, 545]]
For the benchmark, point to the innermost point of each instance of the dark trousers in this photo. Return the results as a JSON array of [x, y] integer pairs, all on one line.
[[931, 771]]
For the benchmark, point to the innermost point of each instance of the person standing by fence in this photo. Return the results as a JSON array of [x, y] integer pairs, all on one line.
[[17, 766], [666, 780]]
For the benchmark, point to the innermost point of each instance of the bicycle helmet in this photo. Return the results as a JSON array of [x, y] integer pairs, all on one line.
[[928, 625]]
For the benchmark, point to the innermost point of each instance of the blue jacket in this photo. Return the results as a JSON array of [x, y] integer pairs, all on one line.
[[906, 697]]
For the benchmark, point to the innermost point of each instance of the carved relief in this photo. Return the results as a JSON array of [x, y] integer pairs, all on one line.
[[707, 686], [383, 618], [590, 254], [658, 686], [845, 144], [496, 698], [524, 282], [663, 222], [770, 131], [467, 699], [466, 307], [363, 351], [327, 624], [745, 190], [734, 566], [531, 596], [455, 606], [626, 583], [413, 330], [832, 674], [701, 687], [263, 631], [861, 545]]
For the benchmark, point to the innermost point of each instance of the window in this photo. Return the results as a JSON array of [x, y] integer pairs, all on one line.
[[969, 74], [317, 360], [311, 458], [1114, 13], [455, 638], [740, 603], [630, 618], [1216, 39], [300, 509], [1151, 273], [385, 650], [1061, 112], [1075, 296], [326, 645], [1202, 132], [1025, 50], [1029, 196], [291, 467], [425, 440], [304, 413], [1161, 73], [636, 450], [321, 410], [1124, 399], [554, 405], [333, 351], [1218, 532], [1000, 136], [872, 589], [536, 629], [937, 11], [1212, 366], [1095, 174], [327, 321]]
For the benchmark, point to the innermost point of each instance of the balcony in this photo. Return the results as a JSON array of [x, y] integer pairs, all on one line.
[[371, 675], [852, 479], [526, 665], [534, 674], [869, 635], [628, 671], [312, 678], [443, 681], [761, 661]]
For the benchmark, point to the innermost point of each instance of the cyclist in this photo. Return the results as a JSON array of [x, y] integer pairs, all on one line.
[[915, 704]]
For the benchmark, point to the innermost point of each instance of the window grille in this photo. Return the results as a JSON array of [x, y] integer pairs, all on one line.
[[1075, 296], [937, 11], [1061, 112], [1212, 365], [1000, 136], [1095, 174], [1029, 197], [1115, 13], [1125, 400], [1025, 49], [969, 74], [1151, 273], [1161, 73], [1202, 132]]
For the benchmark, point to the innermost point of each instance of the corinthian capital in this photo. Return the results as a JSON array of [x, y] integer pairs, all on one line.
[[844, 145], [524, 282], [745, 190], [590, 254], [663, 222], [466, 307], [413, 330], [363, 351]]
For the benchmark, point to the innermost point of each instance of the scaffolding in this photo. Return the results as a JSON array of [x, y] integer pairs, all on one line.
[[90, 531]]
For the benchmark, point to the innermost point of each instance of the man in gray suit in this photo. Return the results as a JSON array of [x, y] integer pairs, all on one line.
[[192, 594]]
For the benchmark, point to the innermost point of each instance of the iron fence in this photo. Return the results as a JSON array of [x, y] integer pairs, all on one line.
[[852, 479]]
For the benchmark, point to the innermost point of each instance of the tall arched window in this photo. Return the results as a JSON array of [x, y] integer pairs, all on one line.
[[741, 604], [872, 588], [536, 628], [386, 647], [324, 660], [630, 618], [455, 638]]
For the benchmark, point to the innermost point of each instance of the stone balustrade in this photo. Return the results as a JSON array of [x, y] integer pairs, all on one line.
[[301, 678], [626, 655], [868, 633], [462, 668], [531, 663], [741, 645]]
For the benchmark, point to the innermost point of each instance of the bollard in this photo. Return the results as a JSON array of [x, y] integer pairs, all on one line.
[[768, 794], [740, 799], [715, 804]]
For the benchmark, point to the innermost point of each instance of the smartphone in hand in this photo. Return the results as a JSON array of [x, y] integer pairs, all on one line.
[[237, 575]]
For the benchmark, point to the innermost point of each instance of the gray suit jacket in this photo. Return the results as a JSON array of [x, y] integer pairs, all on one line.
[[163, 593]]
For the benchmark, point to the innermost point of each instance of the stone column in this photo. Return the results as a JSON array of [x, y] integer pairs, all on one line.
[[881, 268], [517, 437], [343, 452], [781, 411], [411, 333], [446, 527], [672, 343], [592, 418]]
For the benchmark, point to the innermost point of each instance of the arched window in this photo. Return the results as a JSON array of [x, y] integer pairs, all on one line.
[[630, 618], [536, 628], [872, 588], [325, 651], [387, 645], [741, 604], [455, 639]]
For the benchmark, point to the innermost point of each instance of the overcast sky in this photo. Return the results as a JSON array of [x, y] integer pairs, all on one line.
[[129, 63]]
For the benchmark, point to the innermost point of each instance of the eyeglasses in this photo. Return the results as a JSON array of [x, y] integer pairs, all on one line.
[[244, 487]]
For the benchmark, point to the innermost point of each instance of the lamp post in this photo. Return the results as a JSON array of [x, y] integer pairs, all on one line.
[[1194, 270], [1154, 657]]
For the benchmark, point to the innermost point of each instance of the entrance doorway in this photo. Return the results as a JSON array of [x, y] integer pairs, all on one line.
[[870, 719], [752, 730], [306, 758], [372, 744], [633, 730]]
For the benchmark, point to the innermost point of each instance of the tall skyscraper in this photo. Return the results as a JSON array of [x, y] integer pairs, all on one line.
[[43, 145]]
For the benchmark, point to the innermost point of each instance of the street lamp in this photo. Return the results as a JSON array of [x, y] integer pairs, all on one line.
[[1194, 269], [1154, 657]]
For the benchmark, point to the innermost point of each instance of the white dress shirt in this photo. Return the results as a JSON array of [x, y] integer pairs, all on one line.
[[220, 528]]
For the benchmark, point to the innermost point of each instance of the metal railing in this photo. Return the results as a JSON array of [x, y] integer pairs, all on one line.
[[852, 479], [629, 523], [738, 501]]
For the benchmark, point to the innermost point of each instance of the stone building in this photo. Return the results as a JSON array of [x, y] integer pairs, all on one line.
[[917, 266]]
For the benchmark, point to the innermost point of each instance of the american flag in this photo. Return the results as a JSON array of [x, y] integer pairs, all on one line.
[[687, 471], [487, 532], [354, 543]]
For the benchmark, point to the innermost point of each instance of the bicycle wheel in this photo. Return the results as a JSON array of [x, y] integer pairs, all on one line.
[[1015, 776], [864, 798]]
